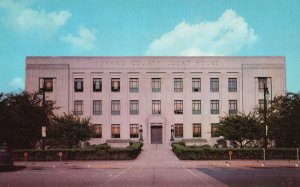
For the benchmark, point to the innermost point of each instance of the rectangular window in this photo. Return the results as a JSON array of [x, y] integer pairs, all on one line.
[[97, 85], [134, 130], [156, 107], [196, 84], [134, 107], [97, 131], [134, 85], [178, 107], [178, 130], [232, 106], [115, 85], [214, 84], [178, 85], [156, 84], [46, 84], [115, 107], [196, 130], [196, 104], [214, 129], [261, 105], [115, 131], [261, 82], [78, 84], [97, 107], [232, 84], [214, 106], [78, 107]]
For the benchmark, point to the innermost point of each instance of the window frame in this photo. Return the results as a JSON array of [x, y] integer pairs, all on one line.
[[134, 107], [43, 84], [115, 107], [178, 84], [232, 103], [178, 130], [134, 130], [178, 106], [232, 84], [95, 81], [196, 104], [133, 85], [261, 82], [115, 85], [197, 127], [214, 107], [214, 129], [196, 82], [214, 82], [97, 110], [77, 82], [115, 131], [78, 104], [156, 84], [156, 104], [95, 134]]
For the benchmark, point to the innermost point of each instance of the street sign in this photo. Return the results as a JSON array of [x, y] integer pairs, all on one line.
[[60, 154], [230, 153]]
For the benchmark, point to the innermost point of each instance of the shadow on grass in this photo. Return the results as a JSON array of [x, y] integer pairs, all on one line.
[[11, 168]]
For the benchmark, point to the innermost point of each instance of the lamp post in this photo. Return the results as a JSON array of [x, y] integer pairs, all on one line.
[[41, 96], [172, 133], [141, 134], [266, 91]]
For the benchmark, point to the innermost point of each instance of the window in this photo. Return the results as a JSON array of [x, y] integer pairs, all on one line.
[[214, 129], [46, 84], [178, 107], [78, 85], [214, 84], [115, 131], [134, 107], [178, 130], [115, 85], [261, 82], [97, 107], [261, 105], [196, 130], [196, 104], [178, 85], [134, 130], [97, 85], [156, 84], [115, 107], [196, 84], [232, 85], [232, 106], [97, 131], [214, 106], [156, 107], [78, 107], [134, 85]]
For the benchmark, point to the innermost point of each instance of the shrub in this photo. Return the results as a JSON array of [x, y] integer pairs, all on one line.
[[99, 152], [200, 153]]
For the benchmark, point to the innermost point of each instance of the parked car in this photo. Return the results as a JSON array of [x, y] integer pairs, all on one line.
[[6, 156]]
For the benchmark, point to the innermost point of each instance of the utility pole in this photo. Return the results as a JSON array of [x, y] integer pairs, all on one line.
[[266, 91]]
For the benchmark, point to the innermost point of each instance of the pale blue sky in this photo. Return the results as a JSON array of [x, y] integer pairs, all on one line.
[[147, 27]]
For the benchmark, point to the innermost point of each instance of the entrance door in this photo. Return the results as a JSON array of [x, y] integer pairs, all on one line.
[[156, 134]]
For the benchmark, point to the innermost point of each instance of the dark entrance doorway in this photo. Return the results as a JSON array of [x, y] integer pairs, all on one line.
[[156, 134]]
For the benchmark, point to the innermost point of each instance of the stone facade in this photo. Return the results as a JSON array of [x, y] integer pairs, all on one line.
[[155, 93]]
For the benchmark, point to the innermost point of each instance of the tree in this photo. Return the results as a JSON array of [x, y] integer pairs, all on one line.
[[22, 116], [284, 120], [68, 130], [241, 129]]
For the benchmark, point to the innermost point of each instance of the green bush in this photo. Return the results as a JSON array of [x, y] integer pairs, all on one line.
[[99, 152], [206, 153]]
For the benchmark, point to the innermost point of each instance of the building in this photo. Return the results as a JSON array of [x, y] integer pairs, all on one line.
[[156, 94]]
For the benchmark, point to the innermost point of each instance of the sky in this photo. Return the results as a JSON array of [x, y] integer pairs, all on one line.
[[147, 28]]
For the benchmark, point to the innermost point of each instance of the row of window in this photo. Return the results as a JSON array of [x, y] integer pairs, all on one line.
[[47, 84], [156, 107], [134, 130]]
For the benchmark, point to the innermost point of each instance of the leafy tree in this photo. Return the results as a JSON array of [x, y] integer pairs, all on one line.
[[22, 116], [240, 129], [284, 120], [68, 131]]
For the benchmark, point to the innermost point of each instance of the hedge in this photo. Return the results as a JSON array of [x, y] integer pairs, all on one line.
[[102, 152], [198, 153]]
